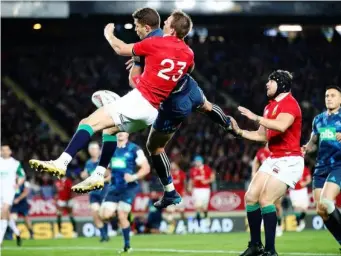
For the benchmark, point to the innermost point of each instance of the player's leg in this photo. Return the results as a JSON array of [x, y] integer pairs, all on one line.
[[96, 179], [272, 191], [253, 212], [300, 202], [279, 212], [97, 121], [156, 143], [122, 212], [95, 204], [60, 208], [28, 224], [327, 209], [69, 210], [285, 172], [5, 214], [12, 224], [216, 114]]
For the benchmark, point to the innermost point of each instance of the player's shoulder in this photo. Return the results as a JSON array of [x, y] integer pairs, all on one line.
[[132, 146], [319, 117], [88, 162]]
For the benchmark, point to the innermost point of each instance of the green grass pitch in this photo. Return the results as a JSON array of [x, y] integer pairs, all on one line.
[[307, 243]]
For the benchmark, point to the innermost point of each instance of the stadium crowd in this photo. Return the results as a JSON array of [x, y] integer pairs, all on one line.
[[62, 77]]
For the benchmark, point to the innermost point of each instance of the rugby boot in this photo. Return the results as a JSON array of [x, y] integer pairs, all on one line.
[[53, 167], [253, 250], [168, 198], [125, 250], [94, 182], [270, 253]]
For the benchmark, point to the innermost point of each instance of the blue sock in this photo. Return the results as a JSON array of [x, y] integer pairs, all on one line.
[[105, 230], [126, 236], [102, 232], [270, 223], [170, 193], [254, 217], [162, 166], [80, 139], [108, 149]]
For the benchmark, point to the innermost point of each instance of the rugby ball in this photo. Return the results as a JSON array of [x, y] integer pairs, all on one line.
[[104, 97]]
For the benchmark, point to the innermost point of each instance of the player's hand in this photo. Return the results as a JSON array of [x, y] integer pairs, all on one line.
[[235, 126], [129, 178], [16, 201], [304, 149], [109, 30], [249, 114], [338, 136]]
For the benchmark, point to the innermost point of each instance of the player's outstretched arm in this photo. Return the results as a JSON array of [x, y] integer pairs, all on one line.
[[120, 47], [259, 135], [280, 124]]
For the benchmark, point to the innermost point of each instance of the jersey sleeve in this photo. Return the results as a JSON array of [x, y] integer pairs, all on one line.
[[314, 126], [143, 48], [20, 171], [291, 108], [140, 156], [27, 184]]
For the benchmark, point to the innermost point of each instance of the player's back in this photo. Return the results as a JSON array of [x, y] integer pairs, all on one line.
[[167, 60], [326, 126]]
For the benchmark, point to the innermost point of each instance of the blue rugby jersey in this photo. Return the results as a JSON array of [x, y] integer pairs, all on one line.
[[325, 127]]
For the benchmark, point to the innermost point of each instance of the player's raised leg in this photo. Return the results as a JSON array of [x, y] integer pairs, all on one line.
[[97, 121]]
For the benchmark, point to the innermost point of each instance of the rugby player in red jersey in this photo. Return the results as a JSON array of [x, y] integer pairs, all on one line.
[[64, 202], [280, 126]]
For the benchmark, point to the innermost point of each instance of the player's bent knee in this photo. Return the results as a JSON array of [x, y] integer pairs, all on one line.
[[322, 211]]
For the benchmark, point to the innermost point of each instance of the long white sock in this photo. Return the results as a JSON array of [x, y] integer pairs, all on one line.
[[14, 227], [170, 187], [64, 158], [3, 227]]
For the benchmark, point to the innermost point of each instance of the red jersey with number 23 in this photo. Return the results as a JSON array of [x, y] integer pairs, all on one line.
[[284, 143], [167, 59]]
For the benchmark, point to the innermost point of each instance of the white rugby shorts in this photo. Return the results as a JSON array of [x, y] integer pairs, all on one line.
[[299, 198], [70, 203], [288, 169], [201, 197], [7, 195], [132, 112]]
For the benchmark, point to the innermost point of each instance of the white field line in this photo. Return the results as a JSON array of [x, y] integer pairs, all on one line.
[[78, 248]]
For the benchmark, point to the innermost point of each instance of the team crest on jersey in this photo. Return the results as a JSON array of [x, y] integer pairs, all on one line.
[[274, 111], [327, 133]]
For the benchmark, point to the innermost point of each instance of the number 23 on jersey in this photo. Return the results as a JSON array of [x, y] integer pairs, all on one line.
[[170, 65]]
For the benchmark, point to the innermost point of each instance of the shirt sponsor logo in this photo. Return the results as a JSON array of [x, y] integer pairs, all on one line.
[[327, 133]]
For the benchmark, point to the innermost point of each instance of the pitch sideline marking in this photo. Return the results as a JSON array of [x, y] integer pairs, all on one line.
[[155, 250]]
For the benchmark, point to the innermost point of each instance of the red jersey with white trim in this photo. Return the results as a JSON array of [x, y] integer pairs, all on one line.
[[198, 175], [179, 178], [262, 154], [167, 59], [288, 142], [64, 192], [306, 173]]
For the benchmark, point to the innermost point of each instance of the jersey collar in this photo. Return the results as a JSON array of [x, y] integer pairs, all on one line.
[[156, 32], [279, 99]]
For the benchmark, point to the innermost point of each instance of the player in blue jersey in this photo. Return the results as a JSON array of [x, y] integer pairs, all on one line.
[[185, 98], [128, 165], [326, 132], [96, 196], [21, 207]]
